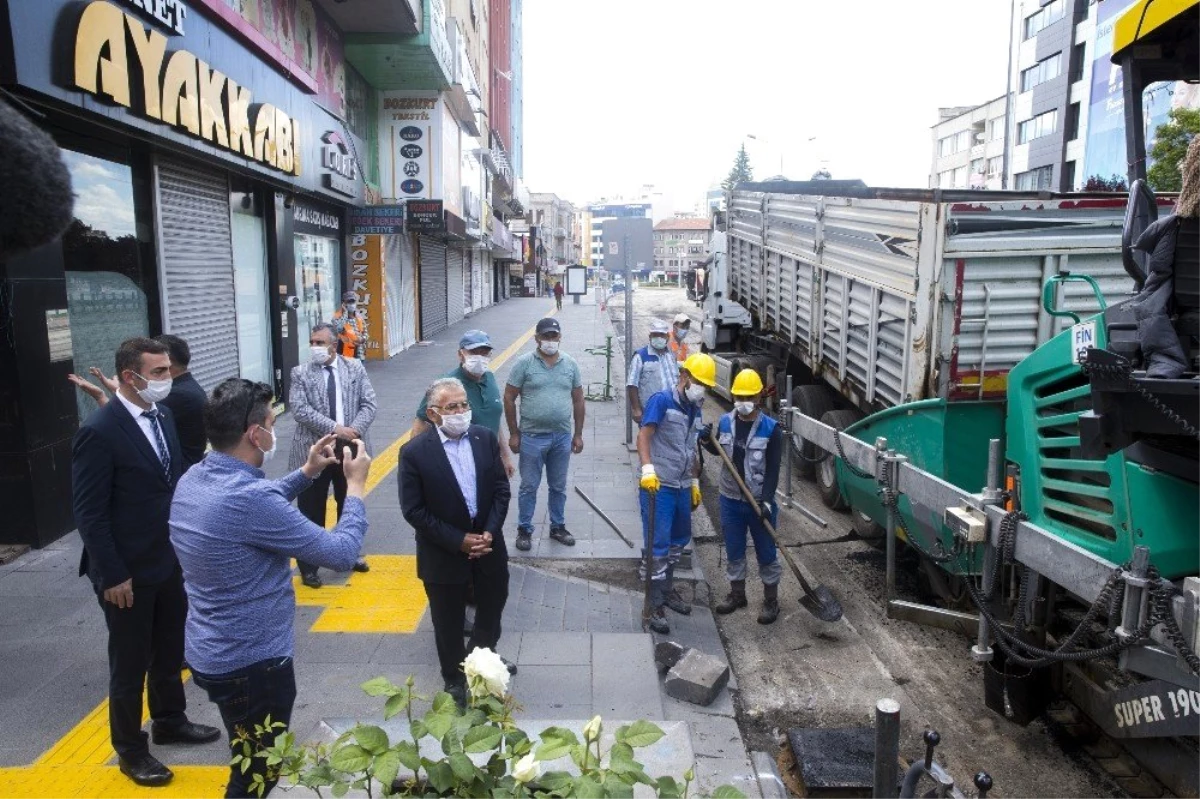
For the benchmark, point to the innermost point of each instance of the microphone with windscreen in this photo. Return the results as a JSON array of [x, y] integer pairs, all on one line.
[[36, 201]]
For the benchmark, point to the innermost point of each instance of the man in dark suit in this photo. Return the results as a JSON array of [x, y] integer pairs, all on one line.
[[454, 492], [125, 463], [186, 401]]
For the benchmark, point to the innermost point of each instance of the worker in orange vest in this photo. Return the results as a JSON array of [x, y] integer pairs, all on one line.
[[678, 340], [351, 330]]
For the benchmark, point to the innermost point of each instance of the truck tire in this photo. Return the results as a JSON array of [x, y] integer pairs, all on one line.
[[812, 400], [868, 529], [826, 470]]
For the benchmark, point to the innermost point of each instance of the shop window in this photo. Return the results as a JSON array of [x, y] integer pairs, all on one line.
[[249, 236], [106, 298], [317, 270]]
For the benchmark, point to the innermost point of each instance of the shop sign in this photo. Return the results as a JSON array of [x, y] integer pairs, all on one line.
[[366, 280], [424, 216], [168, 13], [316, 219], [341, 170], [387, 220], [114, 53], [410, 126]]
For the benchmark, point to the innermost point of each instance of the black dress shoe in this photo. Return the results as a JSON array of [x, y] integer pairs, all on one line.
[[361, 566], [458, 692], [186, 733], [311, 580], [508, 664], [146, 771]]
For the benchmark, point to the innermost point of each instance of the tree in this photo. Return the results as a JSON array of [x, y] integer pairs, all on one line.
[[741, 172], [1098, 183], [1170, 146]]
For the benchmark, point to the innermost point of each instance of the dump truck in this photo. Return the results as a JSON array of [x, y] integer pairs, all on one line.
[[969, 379]]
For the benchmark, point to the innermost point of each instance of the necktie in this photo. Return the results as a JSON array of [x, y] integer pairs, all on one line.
[[164, 454], [331, 393]]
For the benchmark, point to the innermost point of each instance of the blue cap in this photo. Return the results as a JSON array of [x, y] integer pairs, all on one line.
[[473, 340]]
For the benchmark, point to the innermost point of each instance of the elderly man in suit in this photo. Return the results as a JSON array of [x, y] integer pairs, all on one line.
[[125, 463], [329, 394], [454, 492]]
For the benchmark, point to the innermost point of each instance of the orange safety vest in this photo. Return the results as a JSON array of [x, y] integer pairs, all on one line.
[[350, 335], [680, 348]]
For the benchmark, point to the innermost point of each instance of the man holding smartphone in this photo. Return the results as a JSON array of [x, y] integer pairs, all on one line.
[[331, 394]]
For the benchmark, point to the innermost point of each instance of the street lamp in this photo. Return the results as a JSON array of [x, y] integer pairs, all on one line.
[[768, 142]]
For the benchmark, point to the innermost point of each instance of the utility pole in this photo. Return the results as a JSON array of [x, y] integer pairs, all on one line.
[[1012, 26]]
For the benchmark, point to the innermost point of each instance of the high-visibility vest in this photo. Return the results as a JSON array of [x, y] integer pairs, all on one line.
[[680, 348], [351, 335]]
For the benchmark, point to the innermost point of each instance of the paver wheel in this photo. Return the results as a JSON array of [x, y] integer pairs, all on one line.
[[814, 401]]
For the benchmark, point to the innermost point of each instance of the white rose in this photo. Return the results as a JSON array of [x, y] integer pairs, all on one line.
[[526, 769], [486, 674], [591, 730]]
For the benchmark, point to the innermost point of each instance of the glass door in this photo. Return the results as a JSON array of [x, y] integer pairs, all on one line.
[[317, 275], [249, 235]]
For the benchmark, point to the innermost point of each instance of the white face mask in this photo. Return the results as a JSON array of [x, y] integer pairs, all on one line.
[[476, 364], [694, 393], [455, 425], [658, 342], [681, 333], [155, 390], [268, 453], [549, 347], [351, 309], [319, 355], [744, 408]]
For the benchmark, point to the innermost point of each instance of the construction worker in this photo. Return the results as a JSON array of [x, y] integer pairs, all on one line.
[[651, 370], [754, 442], [350, 327], [671, 424], [679, 332]]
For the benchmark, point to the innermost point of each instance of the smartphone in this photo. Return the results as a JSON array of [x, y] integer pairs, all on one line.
[[339, 449]]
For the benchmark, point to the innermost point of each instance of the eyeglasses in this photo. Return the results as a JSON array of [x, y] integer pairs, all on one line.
[[452, 407]]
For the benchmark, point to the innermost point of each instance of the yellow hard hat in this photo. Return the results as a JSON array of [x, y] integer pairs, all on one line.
[[747, 384], [702, 368]]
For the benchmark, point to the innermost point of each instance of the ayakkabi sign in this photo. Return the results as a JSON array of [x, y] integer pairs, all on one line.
[[178, 89]]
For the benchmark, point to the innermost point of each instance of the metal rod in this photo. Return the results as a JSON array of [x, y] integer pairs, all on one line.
[[887, 748], [628, 350], [995, 473], [603, 515], [787, 426], [890, 579]]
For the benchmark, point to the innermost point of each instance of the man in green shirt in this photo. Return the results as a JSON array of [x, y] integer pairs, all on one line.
[[483, 392], [550, 387]]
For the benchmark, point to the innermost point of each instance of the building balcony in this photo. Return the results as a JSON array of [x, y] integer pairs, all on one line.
[[391, 61], [375, 16]]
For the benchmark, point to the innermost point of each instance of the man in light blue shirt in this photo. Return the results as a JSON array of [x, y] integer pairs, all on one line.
[[235, 533]]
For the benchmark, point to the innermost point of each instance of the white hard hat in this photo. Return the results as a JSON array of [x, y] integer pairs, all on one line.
[[659, 326], [683, 319]]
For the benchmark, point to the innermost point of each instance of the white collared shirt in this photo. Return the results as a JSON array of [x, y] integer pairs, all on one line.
[[143, 422], [462, 462]]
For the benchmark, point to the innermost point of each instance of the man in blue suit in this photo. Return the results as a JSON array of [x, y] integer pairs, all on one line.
[[125, 463]]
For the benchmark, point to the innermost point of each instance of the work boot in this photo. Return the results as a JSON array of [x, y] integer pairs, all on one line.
[[673, 600], [736, 598], [770, 608], [658, 621]]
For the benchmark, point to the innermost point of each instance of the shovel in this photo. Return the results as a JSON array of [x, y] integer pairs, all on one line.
[[818, 601], [649, 560]]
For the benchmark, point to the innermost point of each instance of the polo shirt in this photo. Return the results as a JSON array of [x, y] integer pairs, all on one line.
[[546, 405], [484, 396]]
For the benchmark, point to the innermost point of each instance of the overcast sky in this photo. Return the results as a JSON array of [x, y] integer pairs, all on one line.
[[625, 92]]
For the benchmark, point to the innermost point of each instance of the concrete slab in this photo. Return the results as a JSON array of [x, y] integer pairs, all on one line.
[[553, 685], [624, 678], [556, 649]]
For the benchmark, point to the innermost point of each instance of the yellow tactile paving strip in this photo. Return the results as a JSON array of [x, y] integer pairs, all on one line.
[[387, 599]]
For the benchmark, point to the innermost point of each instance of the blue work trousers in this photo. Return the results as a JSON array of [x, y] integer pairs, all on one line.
[[737, 519], [672, 525]]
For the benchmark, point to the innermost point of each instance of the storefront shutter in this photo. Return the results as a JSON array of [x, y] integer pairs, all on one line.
[[469, 261], [400, 303], [454, 273], [433, 287], [196, 259]]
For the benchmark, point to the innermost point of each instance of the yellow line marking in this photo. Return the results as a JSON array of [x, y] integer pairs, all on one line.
[[387, 599]]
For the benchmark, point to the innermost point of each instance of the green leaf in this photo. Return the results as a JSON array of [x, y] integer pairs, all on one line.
[[351, 758], [579, 752], [552, 750], [615, 786], [418, 729], [621, 753], [387, 766], [588, 788], [463, 768], [438, 724], [559, 734], [410, 756], [668, 788], [482, 739], [556, 781], [380, 686], [639, 734], [371, 738], [340, 789], [395, 704], [637, 775], [444, 703], [441, 776], [727, 792]]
